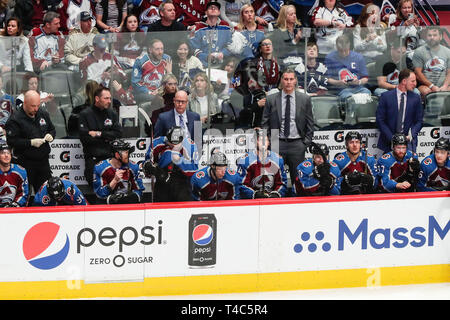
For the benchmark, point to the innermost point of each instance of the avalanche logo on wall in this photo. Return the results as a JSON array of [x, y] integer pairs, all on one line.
[[46, 246], [202, 234]]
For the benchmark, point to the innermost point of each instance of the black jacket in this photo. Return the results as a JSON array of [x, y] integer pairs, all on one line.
[[20, 129], [24, 10], [106, 121]]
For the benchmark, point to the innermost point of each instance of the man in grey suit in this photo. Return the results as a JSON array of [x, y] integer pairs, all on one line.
[[290, 112]]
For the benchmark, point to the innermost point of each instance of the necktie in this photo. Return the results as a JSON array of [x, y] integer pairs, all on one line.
[[400, 113], [287, 116], [182, 125]]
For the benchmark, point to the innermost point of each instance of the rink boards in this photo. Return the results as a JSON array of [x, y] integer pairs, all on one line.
[[261, 245]]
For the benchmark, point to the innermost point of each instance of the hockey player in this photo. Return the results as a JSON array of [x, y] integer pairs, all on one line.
[[318, 176], [399, 169], [117, 180], [13, 181], [172, 160], [358, 170], [263, 170], [59, 192], [216, 181], [435, 169]]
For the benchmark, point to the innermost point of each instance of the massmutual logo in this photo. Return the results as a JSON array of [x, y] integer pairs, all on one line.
[[364, 237]]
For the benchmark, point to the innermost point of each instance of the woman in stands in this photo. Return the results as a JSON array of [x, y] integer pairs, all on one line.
[[369, 38], [31, 82], [13, 34], [250, 29], [287, 32], [130, 42], [198, 99], [411, 23], [331, 19], [185, 66], [110, 15]]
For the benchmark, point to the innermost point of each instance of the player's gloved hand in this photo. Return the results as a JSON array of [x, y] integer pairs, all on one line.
[[260, 194], [274, 194], [413, 165], [366, 180], [327, 182], [12, 204], [37, 142], [323, 169], [149, 168], [115, 198], [48, 137], [353, 178], [130, 197]]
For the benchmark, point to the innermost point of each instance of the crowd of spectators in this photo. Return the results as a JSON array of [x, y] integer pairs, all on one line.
[[146, 51]]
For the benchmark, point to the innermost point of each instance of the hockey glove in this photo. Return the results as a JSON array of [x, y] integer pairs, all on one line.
[[260, 194], [353, 178], [115, 198], [274, 194], [12, 204]]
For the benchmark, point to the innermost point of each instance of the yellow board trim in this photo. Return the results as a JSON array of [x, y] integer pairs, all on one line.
[[235, 283]]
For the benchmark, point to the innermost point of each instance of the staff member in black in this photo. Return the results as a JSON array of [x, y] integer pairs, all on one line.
[[29, 132], [98, 126], [290, 112]]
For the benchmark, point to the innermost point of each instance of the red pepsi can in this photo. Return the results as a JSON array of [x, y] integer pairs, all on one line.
[[202, 240]]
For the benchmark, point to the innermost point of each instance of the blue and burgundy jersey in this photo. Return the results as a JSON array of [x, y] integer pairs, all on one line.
[[204, 187], [163, 154], [73, 196], [432, 177], [147, 11], [307, 185], [147, 74], [14, 186], [346, 166], [258, 172], [390, 169], [104, 172]]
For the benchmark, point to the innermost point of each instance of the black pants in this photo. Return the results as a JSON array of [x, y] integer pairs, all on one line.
[[89, 164], [178, 188], [293, 153], [37, 172]]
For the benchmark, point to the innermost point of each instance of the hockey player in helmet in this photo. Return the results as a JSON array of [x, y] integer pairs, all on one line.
[[317, 176], [117, 180], [59, 192], [13, 180], [399, 169], [435, 169]]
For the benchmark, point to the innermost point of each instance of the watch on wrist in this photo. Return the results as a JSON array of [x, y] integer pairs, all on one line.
[[431, 86]]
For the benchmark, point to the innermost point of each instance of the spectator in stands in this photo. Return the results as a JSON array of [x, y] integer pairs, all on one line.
[[219, 41], [5, 13], [266, 10], [432, 63], [31, 12], [347, 72], [111, 15], [29, 132], [7, 108], [388, 66], [98, 126], [185, 65], [267, 66], [79, 42], [47, 44], [146, 10], [130, 42], [70, 13], [224, 90], [148, 71], [31, 82], [97, 64], [251, 29], [14, 31], [369, 38], [167, 22], [331, 19], [230, 9], [410, 22], [287, 33], [165, 96], [190, 12], [316, 80], [203, 97]]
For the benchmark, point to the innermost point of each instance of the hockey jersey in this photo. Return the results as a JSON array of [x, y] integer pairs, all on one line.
[[14, 186], [44, 46], [390, 169], [432, 177], [73, 196], [346, 166], [306, 184], [147, 74], [190, 11], [92, 69]]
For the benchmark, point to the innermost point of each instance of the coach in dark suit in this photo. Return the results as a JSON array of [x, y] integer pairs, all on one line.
[[399, 111], [178, 116], [290, 112]]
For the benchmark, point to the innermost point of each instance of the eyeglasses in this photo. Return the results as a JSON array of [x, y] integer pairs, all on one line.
[[265, 44], [180, 101]]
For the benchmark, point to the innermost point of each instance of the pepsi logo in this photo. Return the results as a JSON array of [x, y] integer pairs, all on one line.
[[202, 234], [45, 246]]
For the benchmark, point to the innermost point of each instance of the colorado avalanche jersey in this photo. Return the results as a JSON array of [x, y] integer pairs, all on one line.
[[104, 172], [147, 74], [147, 11], [44, 46], [315, 78], [163, 154], [307, 184], [204, 187], [390, 169], [14, 186], [92, 68], [268, 172], [6, 108], [73, 196], [190, 11], [346, 166], [432, 177], [70, 13], [352, 67]]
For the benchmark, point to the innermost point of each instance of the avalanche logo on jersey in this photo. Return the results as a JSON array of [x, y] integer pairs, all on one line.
[[202, 234], [42, 122], [435, 65], [268, 181], [392, 78], [7, 192], [347, 75], [108, 122]]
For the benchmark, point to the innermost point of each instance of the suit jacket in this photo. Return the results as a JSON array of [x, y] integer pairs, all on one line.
[[386, 116], [271, 118], [166, 120]]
